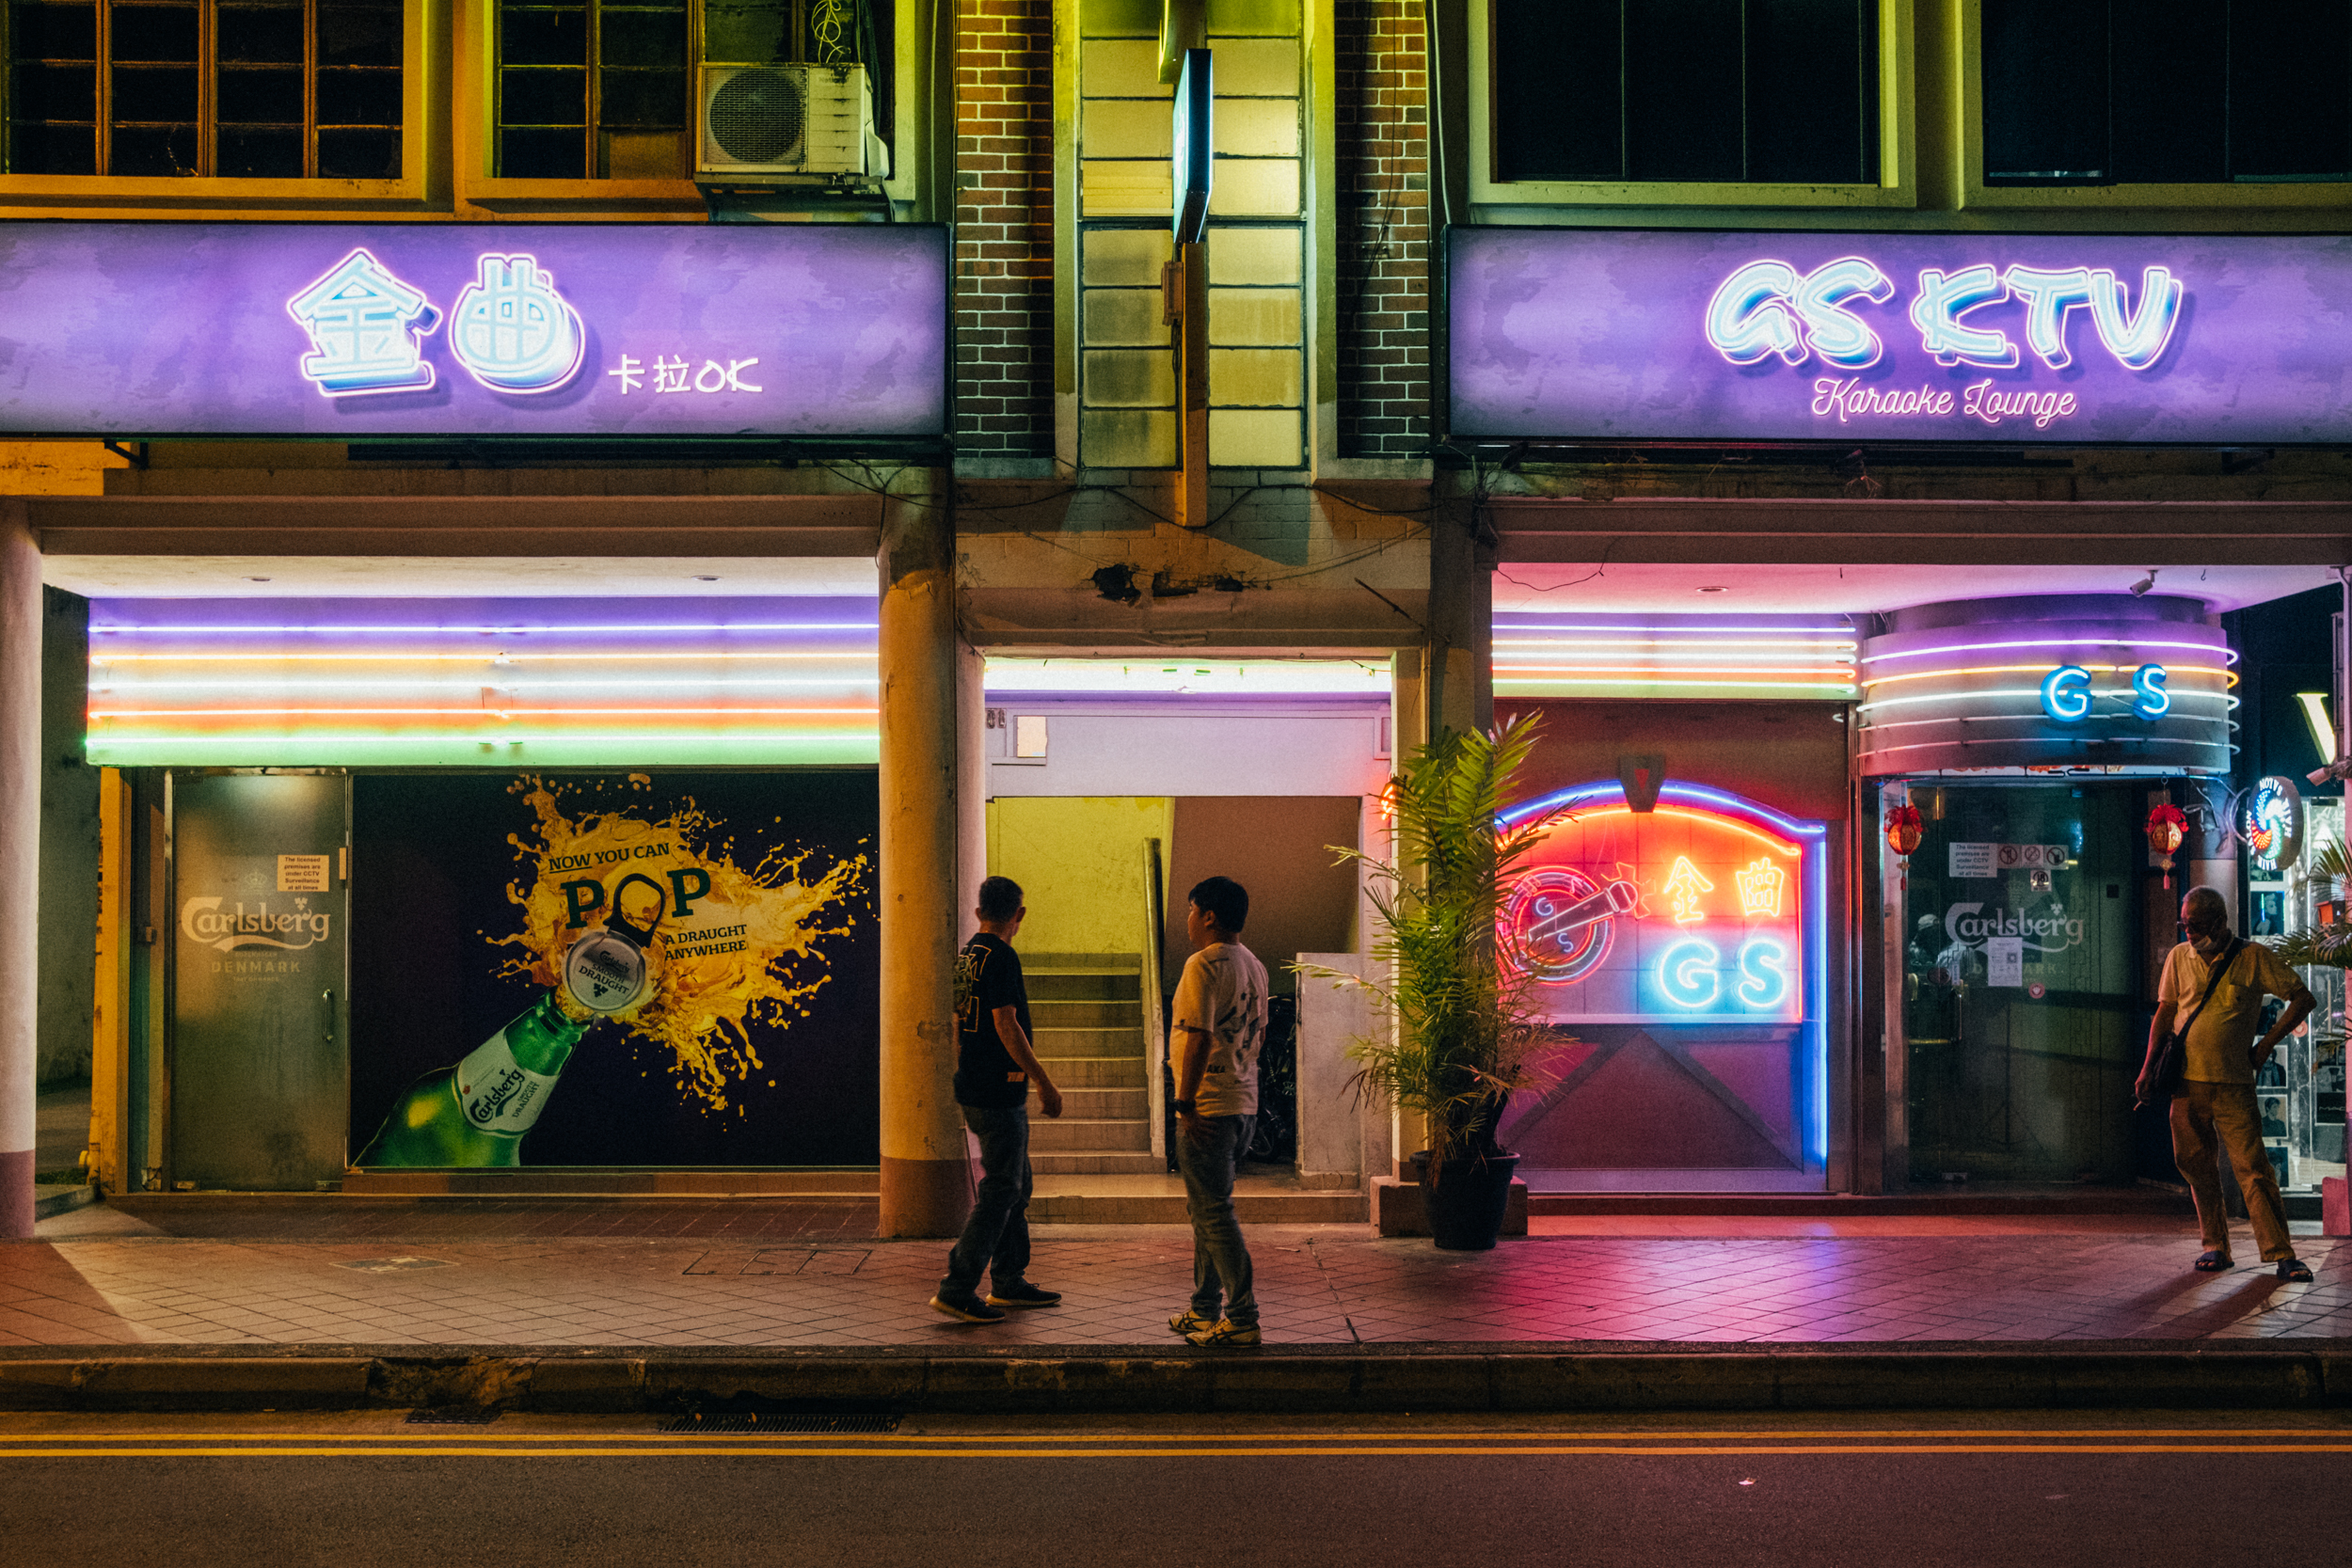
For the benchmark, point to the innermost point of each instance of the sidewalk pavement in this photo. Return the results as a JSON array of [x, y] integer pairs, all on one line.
[[523, 1281]]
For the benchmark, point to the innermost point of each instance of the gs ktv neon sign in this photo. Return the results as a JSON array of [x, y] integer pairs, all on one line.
[[1769, 307]]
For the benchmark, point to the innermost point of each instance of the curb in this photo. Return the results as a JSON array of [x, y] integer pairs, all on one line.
[[1144, 1381]]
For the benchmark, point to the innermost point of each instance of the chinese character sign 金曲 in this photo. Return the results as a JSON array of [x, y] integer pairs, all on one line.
[[366, 329]]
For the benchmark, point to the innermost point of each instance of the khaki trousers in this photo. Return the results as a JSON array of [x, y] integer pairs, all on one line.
[[2206, 1117]]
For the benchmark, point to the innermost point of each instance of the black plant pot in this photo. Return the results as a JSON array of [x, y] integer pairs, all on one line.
[[1465, 1198]]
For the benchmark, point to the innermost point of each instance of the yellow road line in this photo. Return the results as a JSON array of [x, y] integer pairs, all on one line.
[[1932, 1434], [1324, 1451]]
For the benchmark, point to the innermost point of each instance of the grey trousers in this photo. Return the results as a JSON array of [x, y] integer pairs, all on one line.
[[1220, 1260]]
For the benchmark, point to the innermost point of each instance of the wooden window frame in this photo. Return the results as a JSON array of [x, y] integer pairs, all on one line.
[[1897, 187], [201, 192]]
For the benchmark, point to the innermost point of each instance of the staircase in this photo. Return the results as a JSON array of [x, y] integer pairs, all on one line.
[[1088, 1011]]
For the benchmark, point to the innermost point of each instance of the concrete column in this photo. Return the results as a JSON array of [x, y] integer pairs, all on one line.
[[925, 1182], [20, 860], [1460, 674]]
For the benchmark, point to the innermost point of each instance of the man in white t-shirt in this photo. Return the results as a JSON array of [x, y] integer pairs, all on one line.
[[1219, 1029]]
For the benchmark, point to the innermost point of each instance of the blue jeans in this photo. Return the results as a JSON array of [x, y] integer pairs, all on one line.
[[1220, 1260], [996, 1237]]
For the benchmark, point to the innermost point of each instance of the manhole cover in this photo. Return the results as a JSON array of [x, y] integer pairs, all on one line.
[[391, 1265], [452, 1417], [756, 1423]]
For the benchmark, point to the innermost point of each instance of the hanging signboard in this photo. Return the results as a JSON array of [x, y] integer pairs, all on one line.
[[355, 330], [2072, 339]]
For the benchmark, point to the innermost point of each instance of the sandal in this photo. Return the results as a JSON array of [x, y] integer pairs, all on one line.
[[2295, 1269], [2213, 1263]]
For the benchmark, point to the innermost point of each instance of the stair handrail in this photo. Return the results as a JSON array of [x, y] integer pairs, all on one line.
[[1147, 978]]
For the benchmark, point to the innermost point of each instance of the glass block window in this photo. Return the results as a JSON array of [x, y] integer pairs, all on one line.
[[1257, 323], [273, 89]]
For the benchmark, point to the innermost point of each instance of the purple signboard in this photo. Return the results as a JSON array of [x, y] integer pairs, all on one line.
[[2067, 338], [352, 330]]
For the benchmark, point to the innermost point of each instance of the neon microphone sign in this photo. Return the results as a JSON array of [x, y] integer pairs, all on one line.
[[1592, 334]]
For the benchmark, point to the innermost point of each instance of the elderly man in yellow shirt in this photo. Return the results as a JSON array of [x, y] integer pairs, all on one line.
[[2215, 1102]]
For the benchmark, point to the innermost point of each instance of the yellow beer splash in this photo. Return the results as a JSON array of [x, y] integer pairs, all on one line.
[[746, 951]]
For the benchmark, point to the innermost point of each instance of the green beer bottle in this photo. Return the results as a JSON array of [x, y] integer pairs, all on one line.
[[477, 1111]]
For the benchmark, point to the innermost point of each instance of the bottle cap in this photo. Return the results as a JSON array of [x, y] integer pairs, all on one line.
[[605, 972]]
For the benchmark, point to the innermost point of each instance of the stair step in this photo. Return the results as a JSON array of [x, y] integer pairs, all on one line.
[[1098, 1104], [1088, 1014], [1093, 1073], [1051, 1163], [1089, 1137], [1089, 1042], [1053, 986]]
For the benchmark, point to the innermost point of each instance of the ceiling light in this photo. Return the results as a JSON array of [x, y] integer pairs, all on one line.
[[1716, 588]]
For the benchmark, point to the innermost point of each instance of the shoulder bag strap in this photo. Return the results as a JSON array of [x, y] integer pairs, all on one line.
[[2213, 983]]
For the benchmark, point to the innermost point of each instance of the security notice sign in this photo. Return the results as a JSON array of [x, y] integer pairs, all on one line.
[[354, 330]]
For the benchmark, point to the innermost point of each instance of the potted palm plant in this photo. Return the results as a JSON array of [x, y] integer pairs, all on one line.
[[1464, 1024]]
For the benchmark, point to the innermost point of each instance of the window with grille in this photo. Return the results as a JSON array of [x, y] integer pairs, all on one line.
[[268, 89], [2103, 92], [602, 89], [1765, 92]]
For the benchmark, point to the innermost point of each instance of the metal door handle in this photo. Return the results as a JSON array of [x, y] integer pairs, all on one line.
[[327, 1034]]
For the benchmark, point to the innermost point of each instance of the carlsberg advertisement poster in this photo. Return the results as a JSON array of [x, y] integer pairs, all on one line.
[[615, 969]]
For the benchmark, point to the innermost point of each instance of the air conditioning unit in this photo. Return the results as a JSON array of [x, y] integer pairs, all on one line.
[[756, 119]]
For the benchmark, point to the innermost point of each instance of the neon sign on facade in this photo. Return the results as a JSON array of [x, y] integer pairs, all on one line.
[[1689, 913]]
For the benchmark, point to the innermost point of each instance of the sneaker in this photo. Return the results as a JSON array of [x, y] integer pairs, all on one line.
[[1189, 1322], [1023, 1293], [971, 1309], [1226, 1333]]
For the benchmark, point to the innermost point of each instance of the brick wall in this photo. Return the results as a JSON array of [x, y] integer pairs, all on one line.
[[1383, 146], [1005, 228]]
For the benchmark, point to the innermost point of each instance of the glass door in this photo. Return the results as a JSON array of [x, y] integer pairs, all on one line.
[[2020, 990]]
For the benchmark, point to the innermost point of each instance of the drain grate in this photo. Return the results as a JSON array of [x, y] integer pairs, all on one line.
[[756, 1423], [452, 1417]]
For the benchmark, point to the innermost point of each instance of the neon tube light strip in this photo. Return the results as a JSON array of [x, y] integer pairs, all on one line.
[[502, 683], [2171, 670], [2118, 642], [2123, 692]]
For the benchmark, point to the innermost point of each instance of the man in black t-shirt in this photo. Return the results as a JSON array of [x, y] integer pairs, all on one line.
[[994, 1066]]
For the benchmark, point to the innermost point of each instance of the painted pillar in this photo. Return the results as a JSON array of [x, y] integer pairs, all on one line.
[[1460, 682], [925, 1182], [20, 860]]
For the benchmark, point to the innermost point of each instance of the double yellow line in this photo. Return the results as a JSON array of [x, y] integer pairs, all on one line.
[[1692, 1443]]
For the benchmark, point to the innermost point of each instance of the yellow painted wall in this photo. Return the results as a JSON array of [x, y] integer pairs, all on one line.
[[1079, 862]]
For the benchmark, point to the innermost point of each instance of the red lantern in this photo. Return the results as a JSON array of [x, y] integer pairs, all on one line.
[[1904, 828], [2167, 828]]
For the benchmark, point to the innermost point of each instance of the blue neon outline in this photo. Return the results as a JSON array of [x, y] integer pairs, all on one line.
[[1780, 975], [1708, 966], [538, 382], [1944, 299], [2049, 296], [1733, 320], [1810, 1086], [2051, 697], [1828, 329], [2138, 340], [2151, 699], [420, 322]]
